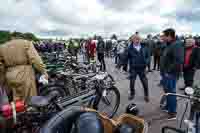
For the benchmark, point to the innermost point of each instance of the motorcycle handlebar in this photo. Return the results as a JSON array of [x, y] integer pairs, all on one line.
[[184, 96]]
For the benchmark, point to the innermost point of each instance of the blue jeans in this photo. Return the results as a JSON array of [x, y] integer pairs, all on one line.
[[170, 84], [163, 82]]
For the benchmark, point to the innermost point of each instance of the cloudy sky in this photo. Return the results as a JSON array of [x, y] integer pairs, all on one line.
[[104, 17]]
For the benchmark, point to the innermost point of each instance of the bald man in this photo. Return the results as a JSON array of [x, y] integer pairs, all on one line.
[[138, 60], [188, 69]]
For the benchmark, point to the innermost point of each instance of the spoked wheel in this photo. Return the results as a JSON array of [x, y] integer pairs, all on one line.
[[110, 79], [109, 102]]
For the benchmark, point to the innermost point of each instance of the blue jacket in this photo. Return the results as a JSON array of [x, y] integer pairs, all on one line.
[[138, 60]]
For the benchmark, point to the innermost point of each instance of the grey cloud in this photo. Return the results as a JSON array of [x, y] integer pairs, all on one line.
[[169, 15], [189, 15], [119, 5], [52, 12], [67, 21], [54, 33], [148, 29], [195, 3], [153, 7]]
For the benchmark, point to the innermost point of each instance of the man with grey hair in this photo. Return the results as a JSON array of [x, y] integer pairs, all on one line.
[[189, 61], [138, 60]]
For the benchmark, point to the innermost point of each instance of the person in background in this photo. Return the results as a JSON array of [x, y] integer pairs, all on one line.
[[149, 47], [162, 48], [148, 52], [120, 52], [18, 60], [124, 58], [114, 44], [172, 63], [101, 48], [84, 50], [156, 55], [196, 54], [107, 47], [71, 47], [76, 47], [137, 57], [189, 63], [92, 49]]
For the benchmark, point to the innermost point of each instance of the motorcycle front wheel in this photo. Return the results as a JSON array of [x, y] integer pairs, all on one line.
[[108, 103]]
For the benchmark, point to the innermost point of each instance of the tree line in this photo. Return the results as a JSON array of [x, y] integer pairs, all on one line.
[[7, 35]]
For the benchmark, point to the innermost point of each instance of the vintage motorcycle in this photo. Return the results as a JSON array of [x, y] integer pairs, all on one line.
[[85, 120]]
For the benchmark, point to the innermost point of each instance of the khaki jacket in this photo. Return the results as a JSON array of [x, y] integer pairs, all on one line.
[[17, 58]]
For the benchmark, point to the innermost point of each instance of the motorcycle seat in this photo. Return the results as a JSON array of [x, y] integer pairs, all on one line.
[[38, 101], [74, 120]]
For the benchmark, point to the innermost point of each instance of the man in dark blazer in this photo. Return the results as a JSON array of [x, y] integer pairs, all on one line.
[[138, 60]]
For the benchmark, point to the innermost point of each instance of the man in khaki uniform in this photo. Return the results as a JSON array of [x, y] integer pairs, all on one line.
[[17, 59]]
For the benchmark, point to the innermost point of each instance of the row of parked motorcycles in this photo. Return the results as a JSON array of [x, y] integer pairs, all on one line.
[[78, 97], [71, 83]]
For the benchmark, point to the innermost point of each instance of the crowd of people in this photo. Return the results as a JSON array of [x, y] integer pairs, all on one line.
[[49, 46], [171, 55]]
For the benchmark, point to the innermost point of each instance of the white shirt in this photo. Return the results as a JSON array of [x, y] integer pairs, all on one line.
[[95, 41], [83, 47], [137, 47]]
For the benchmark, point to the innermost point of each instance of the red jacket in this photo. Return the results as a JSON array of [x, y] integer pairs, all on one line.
[[188, 53], [92, 48]]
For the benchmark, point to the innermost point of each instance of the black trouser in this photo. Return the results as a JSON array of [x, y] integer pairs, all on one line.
[[116, 59], [87, 56], [102, 61], [149, 67], [188, 75], [156, 62], [107, 53], [143, 79], [149, 64]]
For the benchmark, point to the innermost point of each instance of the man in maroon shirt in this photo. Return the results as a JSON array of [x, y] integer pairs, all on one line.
[[92, 49], [188, 69]]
